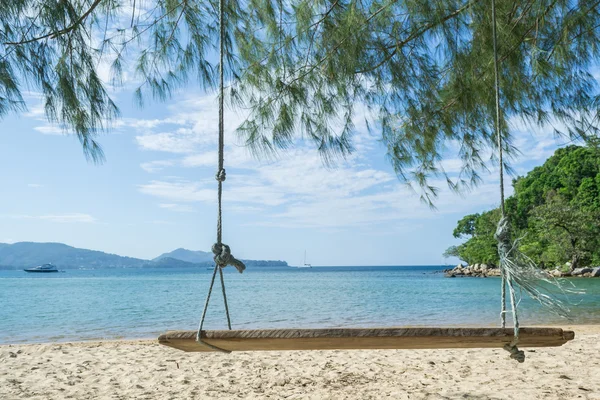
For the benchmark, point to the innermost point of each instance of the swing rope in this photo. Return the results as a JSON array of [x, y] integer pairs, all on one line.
[[503, 231], [221, 251]]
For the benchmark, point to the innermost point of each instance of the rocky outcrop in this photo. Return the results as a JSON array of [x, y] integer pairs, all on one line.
[[556, 273], [475, 270], [485, 270], [581, 271]]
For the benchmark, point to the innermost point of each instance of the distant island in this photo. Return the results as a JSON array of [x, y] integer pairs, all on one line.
[[27, 254]]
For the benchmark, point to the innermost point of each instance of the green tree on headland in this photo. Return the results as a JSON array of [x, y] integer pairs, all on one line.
[[564, 228], [481, 247], [555, 209]]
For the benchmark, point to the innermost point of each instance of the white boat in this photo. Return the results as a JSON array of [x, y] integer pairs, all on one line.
[[306, 265], [42, 268]]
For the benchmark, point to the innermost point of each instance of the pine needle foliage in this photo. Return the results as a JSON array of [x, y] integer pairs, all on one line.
[[306, 68]]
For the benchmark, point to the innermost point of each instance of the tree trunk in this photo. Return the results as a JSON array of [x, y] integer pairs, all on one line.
[[574, 262]]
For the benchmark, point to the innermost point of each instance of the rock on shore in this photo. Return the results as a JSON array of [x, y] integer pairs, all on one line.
[[485, 270], [475, 270], [587, 272]]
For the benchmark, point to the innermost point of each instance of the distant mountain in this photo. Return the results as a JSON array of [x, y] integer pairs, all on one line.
[[187, 255], [30, 254], [203, 258], [168, 262]]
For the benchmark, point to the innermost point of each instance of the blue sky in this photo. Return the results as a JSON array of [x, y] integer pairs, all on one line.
[[156, 191]]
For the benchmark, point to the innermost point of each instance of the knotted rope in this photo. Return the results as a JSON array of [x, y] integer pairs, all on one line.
[[514, 351], [221, 251], [224, 258], [505, 248], [503, 231], [515, 266]]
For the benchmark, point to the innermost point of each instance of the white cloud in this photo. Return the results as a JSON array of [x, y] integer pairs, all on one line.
[[180, 190], [303, 173], [196, 127], [172, 142], [37, 110], [207, 159], [35, 185], [298, 190], [177, 207], [205, 192], [84, 218], [145, 124], [155, 166], [50, 129], [59, 218], [160, 222], [452, 165], [310, 194], [245, 209]]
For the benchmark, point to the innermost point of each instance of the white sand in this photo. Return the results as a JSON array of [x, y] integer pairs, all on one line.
[[146, 370]]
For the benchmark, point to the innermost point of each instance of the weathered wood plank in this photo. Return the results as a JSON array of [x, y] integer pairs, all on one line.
[[364, 338]]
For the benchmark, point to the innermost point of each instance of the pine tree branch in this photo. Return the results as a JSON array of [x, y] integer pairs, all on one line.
[[277, 95], [140, 33], [337, 46], [152, 24], [63, 31], [5, 56], [378, 65], [415, 35], [527, 32], [316, 26], [560, 40], [313, 25], [166, 44]]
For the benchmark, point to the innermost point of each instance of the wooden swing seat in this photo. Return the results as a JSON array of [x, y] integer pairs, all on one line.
[[363, 338]]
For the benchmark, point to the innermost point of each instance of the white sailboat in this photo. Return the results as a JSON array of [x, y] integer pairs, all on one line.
[[305, 264]]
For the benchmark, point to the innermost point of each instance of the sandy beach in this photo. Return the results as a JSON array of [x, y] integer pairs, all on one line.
[[142, 369]]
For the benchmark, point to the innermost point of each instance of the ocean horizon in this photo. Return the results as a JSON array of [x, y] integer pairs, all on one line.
[[132, 303]]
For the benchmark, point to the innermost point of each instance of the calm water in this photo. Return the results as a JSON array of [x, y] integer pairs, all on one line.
[[141, 303]]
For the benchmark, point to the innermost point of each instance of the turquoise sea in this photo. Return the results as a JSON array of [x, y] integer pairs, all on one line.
[[141, 303]]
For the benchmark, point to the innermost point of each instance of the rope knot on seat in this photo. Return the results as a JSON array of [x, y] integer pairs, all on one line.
[[502, 236], [221, 175], [224, 258], [515, 353]]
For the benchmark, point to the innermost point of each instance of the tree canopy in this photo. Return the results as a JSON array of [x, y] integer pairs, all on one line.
[[306, 68], [556, 209]]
